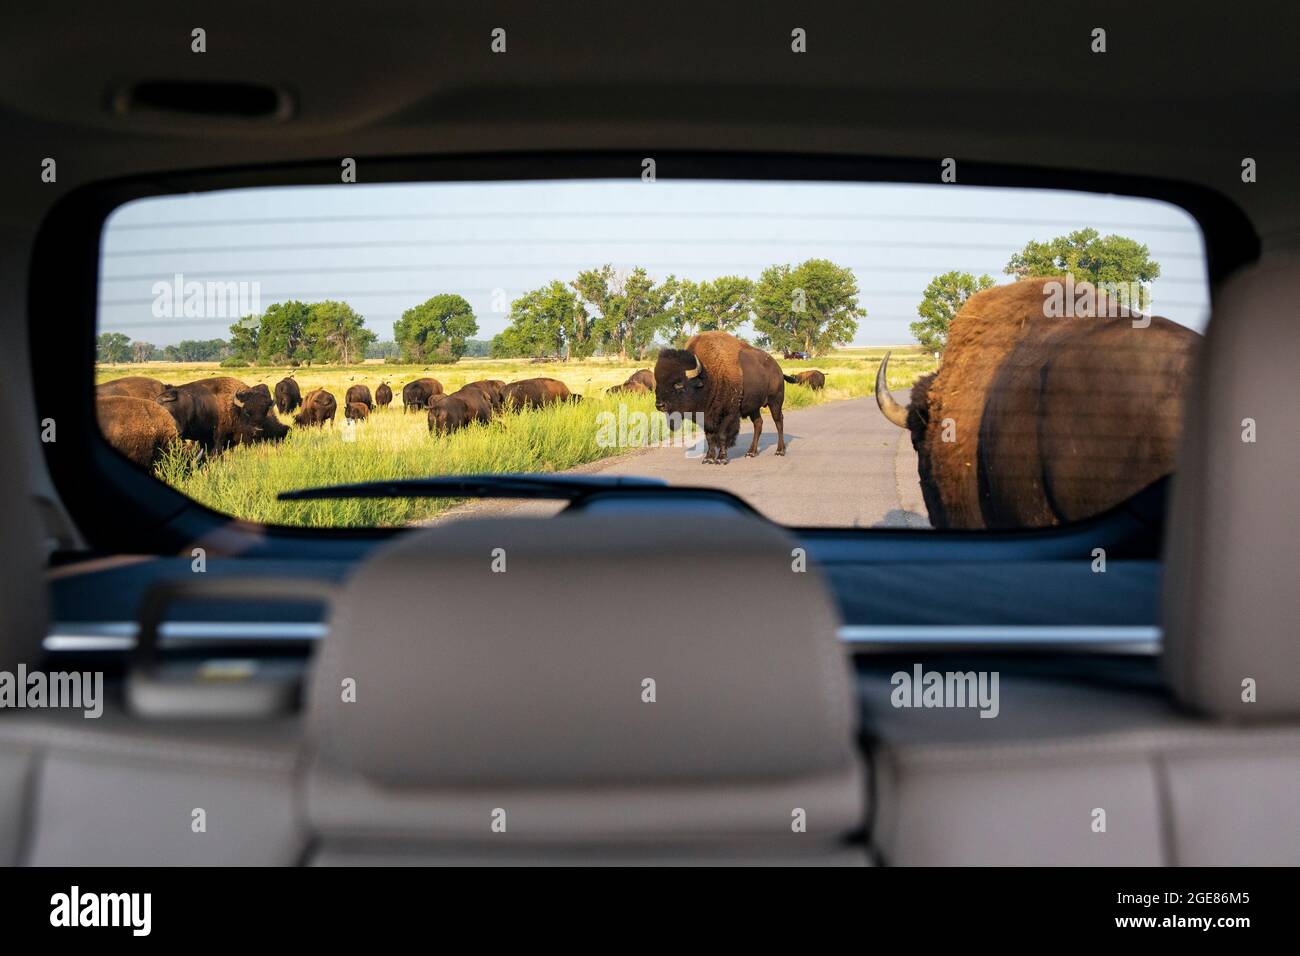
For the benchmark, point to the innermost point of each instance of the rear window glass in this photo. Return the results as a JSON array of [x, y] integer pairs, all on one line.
[[727, 334]]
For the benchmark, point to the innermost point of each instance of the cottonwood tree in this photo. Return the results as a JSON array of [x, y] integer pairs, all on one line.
[[943, 299], [631, 308], [435, 330], [720, 304], [336, 333], [811, 307], [1089, 256]]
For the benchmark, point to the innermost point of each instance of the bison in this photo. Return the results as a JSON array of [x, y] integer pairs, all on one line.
[[1034, 421], [357, 411], [812, 378], [221, 412], [642, 381], [383, 395], [534, 393], [490, 387], [359, 393], [288, 396], [447, 413], [138, 428], [416, 395], [318, 407], [722, 378], [132, 386]]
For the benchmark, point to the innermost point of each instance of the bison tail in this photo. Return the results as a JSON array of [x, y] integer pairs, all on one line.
[[791, 379]]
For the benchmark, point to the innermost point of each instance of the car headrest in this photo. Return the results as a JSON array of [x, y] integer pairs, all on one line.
[[1232, 549], [583, 652], [22, 585]]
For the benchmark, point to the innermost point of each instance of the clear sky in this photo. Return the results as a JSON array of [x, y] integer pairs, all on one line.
[[384, 248]]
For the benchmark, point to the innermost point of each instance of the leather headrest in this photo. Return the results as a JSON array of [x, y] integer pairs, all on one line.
[[1232, 550], [509, 651]]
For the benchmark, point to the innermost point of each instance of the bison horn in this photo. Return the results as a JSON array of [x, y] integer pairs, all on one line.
[[895, 412], [698, 368]]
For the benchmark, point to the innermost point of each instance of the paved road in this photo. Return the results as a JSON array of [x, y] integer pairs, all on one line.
[[844, 465]]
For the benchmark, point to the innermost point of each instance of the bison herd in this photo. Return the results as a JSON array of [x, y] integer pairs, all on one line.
[[141, 417]]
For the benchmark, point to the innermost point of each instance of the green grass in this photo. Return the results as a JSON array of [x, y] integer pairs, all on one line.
[[244, 481]]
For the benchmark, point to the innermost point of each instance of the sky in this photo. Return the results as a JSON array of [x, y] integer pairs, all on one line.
[[385, 248]]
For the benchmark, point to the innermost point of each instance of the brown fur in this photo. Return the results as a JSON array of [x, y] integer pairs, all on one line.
[[133, 386], [1055, 419], [138, 428], [383, 395], [534, 393], [358, 411], [318, 407]]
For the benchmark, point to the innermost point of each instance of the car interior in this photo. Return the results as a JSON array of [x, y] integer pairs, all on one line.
[[649, 673]]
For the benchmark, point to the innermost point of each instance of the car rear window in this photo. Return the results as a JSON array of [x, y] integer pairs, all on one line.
[[726, 334]]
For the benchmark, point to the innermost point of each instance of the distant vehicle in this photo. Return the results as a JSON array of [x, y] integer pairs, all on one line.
[[795, 355]]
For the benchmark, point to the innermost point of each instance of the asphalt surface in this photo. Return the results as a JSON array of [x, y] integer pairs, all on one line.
[[844, 466]]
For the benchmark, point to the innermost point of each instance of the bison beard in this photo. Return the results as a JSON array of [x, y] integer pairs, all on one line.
[[724, 379], [1051, 420]]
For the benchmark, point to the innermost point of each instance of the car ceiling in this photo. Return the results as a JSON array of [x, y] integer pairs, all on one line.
[[1182, 93]]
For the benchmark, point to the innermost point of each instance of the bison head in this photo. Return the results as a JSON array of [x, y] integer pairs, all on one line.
[[680, 382], [444, 416], [254, 415]]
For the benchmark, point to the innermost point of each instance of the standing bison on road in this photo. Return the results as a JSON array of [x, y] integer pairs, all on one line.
[[318, 408], [812, 378], [1035, 421], [724, 379], [383, 395], [287, 395], [448, 413], [221, 412], [416, 395], [535, 393], [359, 393], [138, 428]]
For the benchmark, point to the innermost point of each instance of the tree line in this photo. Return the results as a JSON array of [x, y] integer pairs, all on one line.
[[810, 307]]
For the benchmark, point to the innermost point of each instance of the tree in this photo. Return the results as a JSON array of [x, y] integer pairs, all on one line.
[[243, 337], [142, 351], [112, 348], [336, 333], [943, 299], [437, 328], [809, 308], [721, 304], [282, 336], [1088, 256], [545, 322], [632, 309]]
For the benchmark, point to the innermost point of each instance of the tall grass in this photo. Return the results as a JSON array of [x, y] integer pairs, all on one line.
[[245, 481]]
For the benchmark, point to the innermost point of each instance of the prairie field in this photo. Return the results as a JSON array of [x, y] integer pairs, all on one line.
[[245, 481]]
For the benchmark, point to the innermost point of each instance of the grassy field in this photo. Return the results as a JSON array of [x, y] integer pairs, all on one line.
[[245, 480]]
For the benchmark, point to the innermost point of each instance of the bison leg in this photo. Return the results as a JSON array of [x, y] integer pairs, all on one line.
[[758, 430], [779, 419]]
